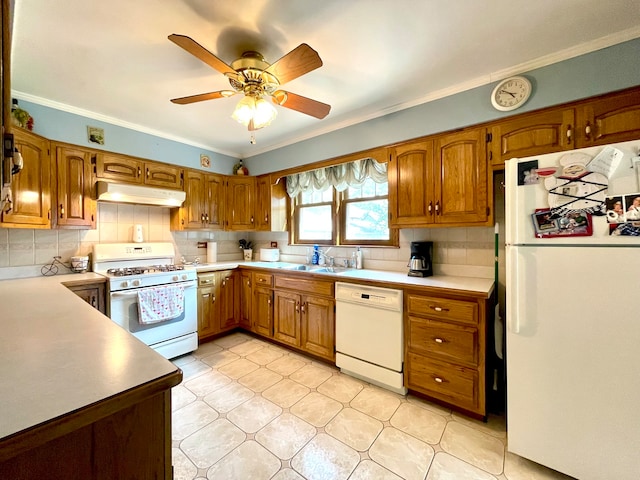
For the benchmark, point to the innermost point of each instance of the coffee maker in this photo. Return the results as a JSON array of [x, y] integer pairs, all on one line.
[[420, 264]]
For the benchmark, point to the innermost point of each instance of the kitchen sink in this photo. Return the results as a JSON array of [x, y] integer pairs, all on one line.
[[314, 269]]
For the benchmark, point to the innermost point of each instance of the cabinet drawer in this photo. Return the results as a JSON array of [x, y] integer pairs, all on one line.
[[262, 279], [446, 341], [305, 285], [206, 279], [453, 384], [443, 308]]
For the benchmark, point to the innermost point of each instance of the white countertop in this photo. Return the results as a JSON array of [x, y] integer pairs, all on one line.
[[482, 286], [59, 354]]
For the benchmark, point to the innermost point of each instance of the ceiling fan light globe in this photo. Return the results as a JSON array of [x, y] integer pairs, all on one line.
[[244, 110], [264, 113]]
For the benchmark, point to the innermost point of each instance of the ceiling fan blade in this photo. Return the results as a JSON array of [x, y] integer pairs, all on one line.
[[198, 51], [203, 96], [301, 104], [296, 63]]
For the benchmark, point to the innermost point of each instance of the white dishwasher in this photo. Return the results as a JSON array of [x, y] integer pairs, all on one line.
[[369, 334]]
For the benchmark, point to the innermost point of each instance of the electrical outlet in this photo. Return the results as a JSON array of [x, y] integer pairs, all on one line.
[[202, 244], [274, 244]]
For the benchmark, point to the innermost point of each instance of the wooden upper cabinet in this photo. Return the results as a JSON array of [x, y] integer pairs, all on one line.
[[439, 181], [119, 167], [214, 201], [263, 203], [461, 178], [161, 175], [74, 206], [411, 191], [111, 166], [31, 187], [614, 118], [240, 203], [532, 134]]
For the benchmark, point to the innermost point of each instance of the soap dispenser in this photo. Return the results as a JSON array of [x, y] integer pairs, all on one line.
[[358, 258]]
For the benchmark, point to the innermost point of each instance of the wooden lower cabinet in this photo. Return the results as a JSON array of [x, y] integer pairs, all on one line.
[[92, 293], [318, 326], [207, 318], [286, 317], [445, 348], [246, 299], [125, 436], [229, 294], [262, 313]]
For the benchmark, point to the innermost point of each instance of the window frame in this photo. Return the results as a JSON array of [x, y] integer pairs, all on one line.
[[338, 223]]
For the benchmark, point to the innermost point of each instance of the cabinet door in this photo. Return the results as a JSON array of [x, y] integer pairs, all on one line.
[[94, 295], [318, 326], [461, 170], [411, 180], [607, 120], [161, 175], [528, 135], [119, 167], [263, 311], [240, 203], [207, 316], [193, 210], [31, 187], [263, 203], [246, 299], [213, 201], [286, 317], [74, 206], [228, 292]]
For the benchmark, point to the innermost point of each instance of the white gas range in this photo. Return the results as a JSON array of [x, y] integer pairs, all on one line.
[[141, 276]]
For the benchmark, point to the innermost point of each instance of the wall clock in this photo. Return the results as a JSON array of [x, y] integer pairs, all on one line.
[[511, 93]]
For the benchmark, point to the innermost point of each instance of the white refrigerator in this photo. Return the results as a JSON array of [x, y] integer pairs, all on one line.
[[573, 311]]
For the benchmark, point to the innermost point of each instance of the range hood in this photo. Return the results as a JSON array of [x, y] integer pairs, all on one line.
[[139, 194]]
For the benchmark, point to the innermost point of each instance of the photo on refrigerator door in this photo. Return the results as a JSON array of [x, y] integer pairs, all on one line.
[[615, 210], [528, 173], [572, 224]]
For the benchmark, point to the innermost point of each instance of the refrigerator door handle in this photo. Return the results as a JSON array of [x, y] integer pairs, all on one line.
[[513, 307]]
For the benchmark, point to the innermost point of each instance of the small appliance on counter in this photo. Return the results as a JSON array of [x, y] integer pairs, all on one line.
[[420, 263], [269, 254]]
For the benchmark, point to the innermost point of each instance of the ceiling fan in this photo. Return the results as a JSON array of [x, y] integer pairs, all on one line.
[[256, 79]]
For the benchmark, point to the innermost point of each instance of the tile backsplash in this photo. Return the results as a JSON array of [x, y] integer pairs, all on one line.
[[24, 251], [457, 251]]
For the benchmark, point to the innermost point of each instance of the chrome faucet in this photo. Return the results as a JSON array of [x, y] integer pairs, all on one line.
[[327, 258]]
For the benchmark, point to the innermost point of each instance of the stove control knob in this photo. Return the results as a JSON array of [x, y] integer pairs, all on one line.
[[124, 284], [136, 283], [184, 277], [176, 278]]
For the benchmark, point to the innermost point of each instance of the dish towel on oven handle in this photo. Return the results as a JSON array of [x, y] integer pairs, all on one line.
[[159, 304]]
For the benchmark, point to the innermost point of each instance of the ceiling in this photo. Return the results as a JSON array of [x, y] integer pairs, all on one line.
[[111, 60]]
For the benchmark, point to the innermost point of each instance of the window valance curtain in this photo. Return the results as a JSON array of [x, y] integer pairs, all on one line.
[[340, 177]]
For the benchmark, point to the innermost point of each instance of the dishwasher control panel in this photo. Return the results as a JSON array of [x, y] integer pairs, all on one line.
[[360, 294]]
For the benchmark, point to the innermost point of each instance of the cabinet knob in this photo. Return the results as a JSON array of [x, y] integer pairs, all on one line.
[[213, 299], [252, 219], [587, 131], [139, 171], [61, 211], [248, 283], [430, 207], [261, 280], [438, 380], [266, 218], [438, 340], [303, 308], [297, 306], [438, 207], [569, 134], [147, 173], [268, 301], [94, 302]]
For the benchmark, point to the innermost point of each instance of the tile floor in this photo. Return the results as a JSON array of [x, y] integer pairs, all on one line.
[[250, 410]]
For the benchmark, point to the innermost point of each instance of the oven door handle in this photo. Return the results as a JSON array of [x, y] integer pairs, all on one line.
[[134, 291]]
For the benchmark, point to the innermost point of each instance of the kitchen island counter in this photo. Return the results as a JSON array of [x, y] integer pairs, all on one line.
[[65, 366]]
